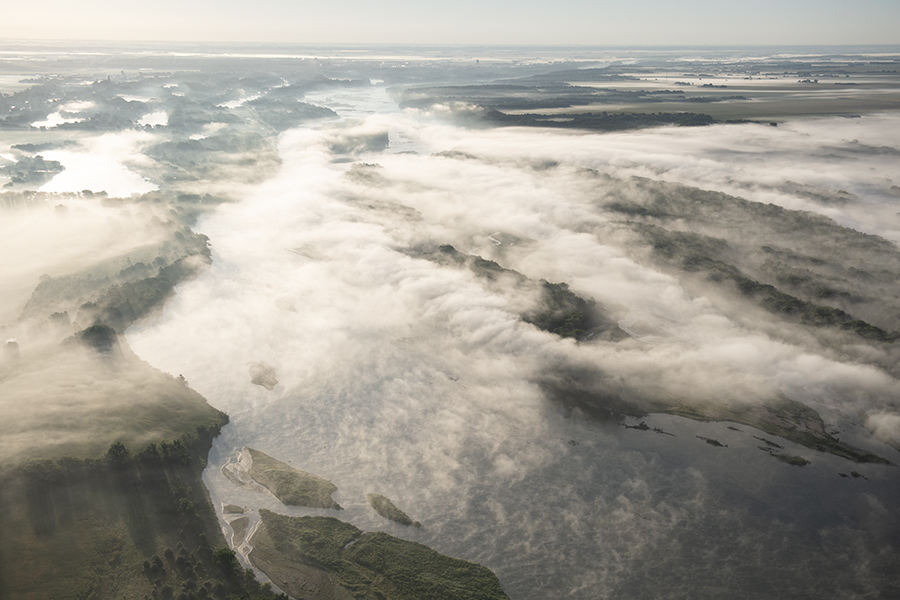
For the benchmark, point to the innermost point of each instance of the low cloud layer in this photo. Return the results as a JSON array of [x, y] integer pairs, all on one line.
[[402, 376], [58, 235]]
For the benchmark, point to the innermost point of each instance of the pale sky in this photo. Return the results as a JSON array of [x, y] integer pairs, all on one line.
[[582, 22]]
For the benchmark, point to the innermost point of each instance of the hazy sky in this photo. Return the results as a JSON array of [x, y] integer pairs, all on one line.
[[592, 22]]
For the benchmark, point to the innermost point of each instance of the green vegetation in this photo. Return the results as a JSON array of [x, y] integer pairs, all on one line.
[[122, 290], [560, 310], [31, 171], [76, 386], [132, 524], [123, 304], [285, 113], [487, 269], [550, 100], [563, 312], [292, 486], [101, 338], [601, 121], [796, 461], [384, 507], [83, 518], [75, 399], [694, 252], [634, 90], [338, 560]]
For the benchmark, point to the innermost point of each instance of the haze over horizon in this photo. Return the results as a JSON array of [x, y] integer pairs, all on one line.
[[571, 22]]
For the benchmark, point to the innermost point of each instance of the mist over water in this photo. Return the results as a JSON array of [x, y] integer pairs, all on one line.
[[101, 164], [399, 376]]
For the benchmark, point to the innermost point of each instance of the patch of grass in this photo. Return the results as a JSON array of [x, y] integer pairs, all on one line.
[[563, 312], [126, 524], [597, 121], [384, 507], [292, 486], [560, 310], [353, 564]]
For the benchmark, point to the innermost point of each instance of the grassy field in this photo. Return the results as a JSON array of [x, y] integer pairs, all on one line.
[[126, 525], [292, 486], [313, 557], [728, 96], [763, 106]]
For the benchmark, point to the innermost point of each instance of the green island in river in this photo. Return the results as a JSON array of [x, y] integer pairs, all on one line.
[[314, 557], [292, 486], [384, 507]]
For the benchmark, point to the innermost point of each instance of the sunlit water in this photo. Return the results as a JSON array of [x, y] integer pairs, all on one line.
[[403, 378], [101, 165]]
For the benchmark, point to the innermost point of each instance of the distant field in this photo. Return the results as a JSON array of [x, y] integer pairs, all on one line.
[[784, 105], [767, 97]]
